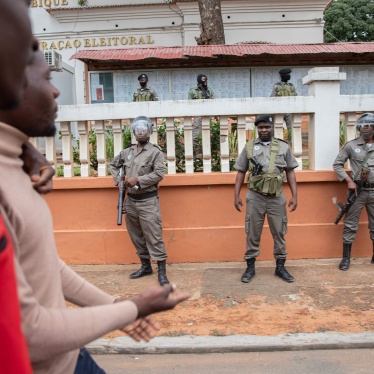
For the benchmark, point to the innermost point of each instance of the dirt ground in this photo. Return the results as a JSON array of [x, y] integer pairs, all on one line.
[[321, 299]]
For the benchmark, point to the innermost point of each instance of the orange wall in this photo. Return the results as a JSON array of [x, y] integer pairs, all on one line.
[[199, 219]]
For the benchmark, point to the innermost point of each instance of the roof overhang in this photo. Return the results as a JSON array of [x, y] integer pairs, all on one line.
[[229, 56]]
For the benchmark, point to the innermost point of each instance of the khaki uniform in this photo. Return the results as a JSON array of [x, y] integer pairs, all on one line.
[[284, 89], [197, 94], [145, 94], [356, 151], [258, 205], [142, 207]]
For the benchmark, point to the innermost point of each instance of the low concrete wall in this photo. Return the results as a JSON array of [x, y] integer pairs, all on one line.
[[199, 219]]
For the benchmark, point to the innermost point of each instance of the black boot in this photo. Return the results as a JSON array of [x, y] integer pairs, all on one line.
[[344, 263], [281, 272], [145, 269], [162, 278], [250, 272], [372, 259]]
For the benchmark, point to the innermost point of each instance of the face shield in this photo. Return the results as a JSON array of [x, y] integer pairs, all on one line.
[[142, 127]]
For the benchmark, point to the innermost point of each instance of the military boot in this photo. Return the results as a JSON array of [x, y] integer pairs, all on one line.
[[250, 272], [162, 278], [372, 259], [281, 272], [344, 263], [145, 269]]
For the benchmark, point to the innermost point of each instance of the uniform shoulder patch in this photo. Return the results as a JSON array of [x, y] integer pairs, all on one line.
[[282, 140], [157, 146]]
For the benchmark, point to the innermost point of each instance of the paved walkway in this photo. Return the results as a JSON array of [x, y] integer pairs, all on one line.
[[342, 301]]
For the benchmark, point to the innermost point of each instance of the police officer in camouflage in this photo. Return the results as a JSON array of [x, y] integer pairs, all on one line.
[[266, 159], [360, 153], [144, 93], [144, 169], [284, 88], [201, 92]]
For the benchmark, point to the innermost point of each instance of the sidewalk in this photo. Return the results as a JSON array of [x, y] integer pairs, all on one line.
[[325, 308]]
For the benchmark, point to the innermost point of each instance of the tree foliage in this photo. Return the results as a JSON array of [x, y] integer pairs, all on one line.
[[349, 21]]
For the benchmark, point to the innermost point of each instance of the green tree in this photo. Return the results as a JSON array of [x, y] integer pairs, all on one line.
[[349, 21]]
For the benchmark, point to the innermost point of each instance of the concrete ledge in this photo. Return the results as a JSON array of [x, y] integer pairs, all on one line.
[[233, 343], [196, 179]]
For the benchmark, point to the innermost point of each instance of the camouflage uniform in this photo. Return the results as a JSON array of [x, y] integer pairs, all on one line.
[[196, 94], [143, 217], [258, 205], [281, 89], [145, 94], [356, 151]]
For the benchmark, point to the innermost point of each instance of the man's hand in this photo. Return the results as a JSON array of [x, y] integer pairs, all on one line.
[[157, 299], [352, 186], [38, 168], [131, 182], [292, 204], [238, 203], [142, 329]]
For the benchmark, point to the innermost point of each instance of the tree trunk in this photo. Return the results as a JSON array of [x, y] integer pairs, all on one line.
[[211, 27]]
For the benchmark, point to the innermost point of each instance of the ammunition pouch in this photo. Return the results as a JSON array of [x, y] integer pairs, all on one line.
[[268, 184]]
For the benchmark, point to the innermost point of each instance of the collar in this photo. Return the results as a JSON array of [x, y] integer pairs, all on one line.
[[146, 147], [258, 141], [11, 140]]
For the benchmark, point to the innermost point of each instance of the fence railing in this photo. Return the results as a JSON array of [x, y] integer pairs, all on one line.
[[322, 108]]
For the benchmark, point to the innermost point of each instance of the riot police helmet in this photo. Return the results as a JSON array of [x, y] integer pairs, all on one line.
[[367, 119], [142, 124]]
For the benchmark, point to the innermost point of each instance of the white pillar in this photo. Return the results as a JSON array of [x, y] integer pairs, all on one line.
[[324, 85], [278, 126], [50, 150], [188, 146], [224, 145], [297, 141], [67, 149], [84, 149], [101, 148], [207, 154], [117, 136], [242, 139], [170, 145]]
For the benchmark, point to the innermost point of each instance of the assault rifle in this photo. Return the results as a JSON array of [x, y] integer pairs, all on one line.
[[352, 196], [257, 167], [121, 196]]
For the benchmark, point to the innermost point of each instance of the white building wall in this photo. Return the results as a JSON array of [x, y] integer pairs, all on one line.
[[64, 26]]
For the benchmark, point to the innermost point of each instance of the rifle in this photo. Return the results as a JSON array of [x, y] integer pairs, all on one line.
[[257, 167], [121, 196], [350, 200]]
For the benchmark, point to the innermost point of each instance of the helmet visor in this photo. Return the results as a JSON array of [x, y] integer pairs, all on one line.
[[142, 127]]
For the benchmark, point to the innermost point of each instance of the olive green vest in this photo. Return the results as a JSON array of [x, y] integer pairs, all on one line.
[[287, 89], [143, 96], [269, 184]]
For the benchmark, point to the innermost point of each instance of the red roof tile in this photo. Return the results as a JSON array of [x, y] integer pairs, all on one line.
[[212, 51]]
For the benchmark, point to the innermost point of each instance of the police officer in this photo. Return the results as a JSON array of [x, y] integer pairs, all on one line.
[[144, 169], [360, 153], [283, 88], [271, 157], [144, 93], [202, 91]]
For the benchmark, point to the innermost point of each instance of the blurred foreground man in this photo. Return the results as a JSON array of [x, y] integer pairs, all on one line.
[[56, 334], [17, 45]]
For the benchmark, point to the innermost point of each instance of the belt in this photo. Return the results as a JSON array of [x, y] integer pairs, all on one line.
[[368, 185], [142, 196]]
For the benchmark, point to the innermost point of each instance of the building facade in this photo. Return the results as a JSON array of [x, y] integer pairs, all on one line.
[[66, 27]]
